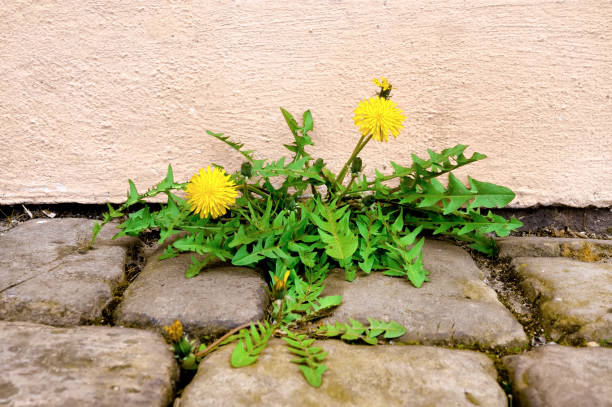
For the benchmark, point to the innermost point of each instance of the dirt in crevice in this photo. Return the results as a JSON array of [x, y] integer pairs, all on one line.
[[501, 276], [561, 221], [503, 379], [185, 378], [134, 264]]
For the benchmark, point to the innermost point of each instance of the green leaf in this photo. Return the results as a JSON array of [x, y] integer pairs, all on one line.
[[369, 230], [394, 330], [399, 171], [312, 357], [331, 330], [168, 253], [334, 230], [132, 194], [398, 225], [136, 222], [293, 126], [314, 377], [394, 272], [248, 154], [327, 302], [244, 258], [197, 265], [391, 329], [480, 195], [189, 362], [307, 258], [457, 192], [466, 227], [95, 232], [241, 356], [442, 163], [353, 331], [113, 213], [357, 331], [370, 340], [308, 123], [168, 182], [489, 195], [252, 343]]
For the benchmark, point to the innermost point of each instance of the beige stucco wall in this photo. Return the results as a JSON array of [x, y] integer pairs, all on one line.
[[95, 92]]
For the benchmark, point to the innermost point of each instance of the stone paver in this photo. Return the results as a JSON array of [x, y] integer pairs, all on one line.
[[85, 366], [357, 375], [213, 302], [44, 278], [533, 246], [575, 297], [561, 376], [455, 307]]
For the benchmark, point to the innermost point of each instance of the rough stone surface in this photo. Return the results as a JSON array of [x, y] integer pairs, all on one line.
[[213, 302], [532, 246], [575, 297], [44, 278], [357, 375], [83, 366], [454, 307], [561, 376]]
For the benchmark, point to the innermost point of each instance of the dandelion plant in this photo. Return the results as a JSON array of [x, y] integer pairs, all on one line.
[[295, 219]]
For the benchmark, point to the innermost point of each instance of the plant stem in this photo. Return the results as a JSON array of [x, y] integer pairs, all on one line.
[[315, 193], [279, 316], [245, 191], [345, 190], [257, 190], [221, 339], [360, 145]]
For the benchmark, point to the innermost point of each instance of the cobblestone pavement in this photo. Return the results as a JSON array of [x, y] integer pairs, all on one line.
[[462, 346]]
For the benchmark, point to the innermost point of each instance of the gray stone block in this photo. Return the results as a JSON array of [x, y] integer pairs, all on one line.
[[357, 375], [575, 297], [45, 276], [213, 302], [84, 366], [454, 307], [561, 376]]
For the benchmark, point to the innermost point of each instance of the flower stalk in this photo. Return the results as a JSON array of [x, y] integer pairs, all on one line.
[[360, 145]]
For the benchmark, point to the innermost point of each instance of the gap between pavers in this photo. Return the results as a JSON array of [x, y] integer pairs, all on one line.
[[46, 277], [454, 307], [562, 376], [357, 375], [84, 366]]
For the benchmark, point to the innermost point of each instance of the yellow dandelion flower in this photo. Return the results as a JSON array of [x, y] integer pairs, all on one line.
[[211, 192], [383, 83], [379, 117], [174, 331]]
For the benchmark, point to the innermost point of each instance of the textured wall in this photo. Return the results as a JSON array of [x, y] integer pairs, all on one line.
[[93, 92]]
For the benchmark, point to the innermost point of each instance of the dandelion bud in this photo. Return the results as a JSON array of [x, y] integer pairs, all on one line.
[[356, 165], [246, 169]]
